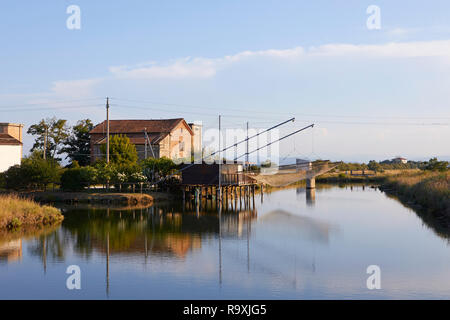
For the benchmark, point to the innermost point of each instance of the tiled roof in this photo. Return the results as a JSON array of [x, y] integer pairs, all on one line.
[[138, 126], [6, 139], [153, 137]]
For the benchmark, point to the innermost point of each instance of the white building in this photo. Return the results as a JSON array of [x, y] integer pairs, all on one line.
[[10, 145], [400, 160]]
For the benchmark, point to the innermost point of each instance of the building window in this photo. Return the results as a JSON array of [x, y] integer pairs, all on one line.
[[181, 144]]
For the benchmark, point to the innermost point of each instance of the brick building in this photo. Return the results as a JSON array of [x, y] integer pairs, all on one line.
[[171, 138]]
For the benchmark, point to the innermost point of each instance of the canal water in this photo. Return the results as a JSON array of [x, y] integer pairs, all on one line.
[[291, 244]]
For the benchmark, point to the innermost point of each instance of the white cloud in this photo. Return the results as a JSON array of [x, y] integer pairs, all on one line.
[[392, 50], [75, 88], [179, 69], [202, 68], [196, 67]]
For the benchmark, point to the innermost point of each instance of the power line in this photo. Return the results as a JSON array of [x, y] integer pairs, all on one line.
[[47, 103], [272, 142], [245, 109], [56, 108], [184, 112]]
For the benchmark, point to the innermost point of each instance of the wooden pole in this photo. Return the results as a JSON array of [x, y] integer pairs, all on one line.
[[220, 161], [107, 130]]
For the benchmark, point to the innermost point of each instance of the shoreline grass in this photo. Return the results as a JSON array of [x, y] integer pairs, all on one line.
[[429, 190], [16, 212], [98, 197]]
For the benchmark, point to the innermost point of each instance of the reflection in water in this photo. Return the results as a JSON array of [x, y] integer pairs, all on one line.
[[281, 248], [308, 228], [11, 250], [123, 233], [309, 194], [155, 231]]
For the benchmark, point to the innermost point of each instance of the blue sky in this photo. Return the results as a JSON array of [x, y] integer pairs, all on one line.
[[373, 94]]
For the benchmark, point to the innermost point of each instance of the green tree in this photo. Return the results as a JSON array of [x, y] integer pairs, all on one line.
[[55, 131], [157, 168], [78, 178], [105, 171], [375, 166], [121, 150], [435, 165], [2, 180], [77, 145], [34, 172]]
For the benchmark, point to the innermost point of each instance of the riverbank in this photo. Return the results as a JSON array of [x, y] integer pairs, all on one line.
[[99, 197], [373, 177], [429, 190], [16, 212]]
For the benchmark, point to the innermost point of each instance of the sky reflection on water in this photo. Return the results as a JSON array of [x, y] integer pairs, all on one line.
[[293, 245]]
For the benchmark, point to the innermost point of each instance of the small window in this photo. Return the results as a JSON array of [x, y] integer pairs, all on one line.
[[181, 144]]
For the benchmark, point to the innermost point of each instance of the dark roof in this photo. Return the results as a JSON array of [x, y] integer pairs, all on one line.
[[6, 139], [153, 137], [138, 126]]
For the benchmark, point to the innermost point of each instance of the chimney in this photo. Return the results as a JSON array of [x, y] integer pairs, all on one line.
[[196, 139], [13, 129]]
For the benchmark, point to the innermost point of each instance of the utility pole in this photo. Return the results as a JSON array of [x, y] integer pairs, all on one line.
[[145, 152], [220, 162], [107, 130]]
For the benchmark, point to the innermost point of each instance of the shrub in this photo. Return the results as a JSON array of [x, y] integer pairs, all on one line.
[[435, 165], [34, 172], [158, 168], [2, 180], [76, 179]]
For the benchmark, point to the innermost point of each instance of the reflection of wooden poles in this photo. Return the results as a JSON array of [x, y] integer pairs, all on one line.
[[235, 198], [44, 254], [262, 193], [253, 196], [146, 246], [240, 198], [220, 243], [107, 257], [248, 243], [107, 264]]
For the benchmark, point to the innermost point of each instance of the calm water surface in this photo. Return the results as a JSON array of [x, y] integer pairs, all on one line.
[[293, 245]]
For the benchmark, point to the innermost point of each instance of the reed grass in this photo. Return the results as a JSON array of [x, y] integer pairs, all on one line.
[[16, 212], [431, 190]]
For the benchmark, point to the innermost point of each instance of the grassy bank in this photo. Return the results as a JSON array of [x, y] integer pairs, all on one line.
[[374, 177], [16, 212], [99, 197], [429, 190]]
